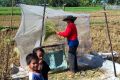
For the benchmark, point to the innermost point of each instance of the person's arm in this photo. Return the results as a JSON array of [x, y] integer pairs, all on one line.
[[65, 33], [47, 68]]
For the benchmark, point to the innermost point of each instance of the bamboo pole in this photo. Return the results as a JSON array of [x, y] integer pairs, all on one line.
[[64, 5], [108, 33], [43, 20]]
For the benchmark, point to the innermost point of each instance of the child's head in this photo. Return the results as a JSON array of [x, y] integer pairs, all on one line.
[[32, 62], [39, 52]]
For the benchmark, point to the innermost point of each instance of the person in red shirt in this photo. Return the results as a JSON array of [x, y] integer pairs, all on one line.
[[71, 34]]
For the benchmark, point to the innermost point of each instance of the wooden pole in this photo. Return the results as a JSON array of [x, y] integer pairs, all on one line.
[[43, 20], [108, 32], [64, 5]]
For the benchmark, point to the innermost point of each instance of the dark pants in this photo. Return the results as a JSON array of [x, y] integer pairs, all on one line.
[[72, 59]]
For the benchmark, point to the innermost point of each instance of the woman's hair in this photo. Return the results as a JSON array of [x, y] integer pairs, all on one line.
[[38, 48]]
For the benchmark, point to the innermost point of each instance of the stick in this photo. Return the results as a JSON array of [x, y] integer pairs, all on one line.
[[43, 21], [108, 32]]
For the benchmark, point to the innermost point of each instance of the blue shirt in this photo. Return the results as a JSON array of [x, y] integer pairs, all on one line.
[[35, 76]]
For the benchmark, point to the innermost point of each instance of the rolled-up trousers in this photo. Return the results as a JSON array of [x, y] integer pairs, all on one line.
[[72, 59]]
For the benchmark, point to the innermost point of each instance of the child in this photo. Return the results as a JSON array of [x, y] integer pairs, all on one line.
[[32, 62], [45, 67]]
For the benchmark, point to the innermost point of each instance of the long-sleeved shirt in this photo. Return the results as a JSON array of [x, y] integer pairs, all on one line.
[[71, 34]]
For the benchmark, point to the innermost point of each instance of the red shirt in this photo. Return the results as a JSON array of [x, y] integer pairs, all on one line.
[[70, 32]]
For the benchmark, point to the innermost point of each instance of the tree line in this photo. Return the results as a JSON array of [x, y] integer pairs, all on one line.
[[58, 3]]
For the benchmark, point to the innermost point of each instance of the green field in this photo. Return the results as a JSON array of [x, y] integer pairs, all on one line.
[[16, 10], [83, 9], [8, 11]]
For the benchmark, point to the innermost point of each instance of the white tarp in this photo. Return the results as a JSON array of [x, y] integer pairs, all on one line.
[[29, 31], [99, 61]]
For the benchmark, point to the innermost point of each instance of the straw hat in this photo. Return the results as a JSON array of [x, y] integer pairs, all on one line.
[[69, 17]]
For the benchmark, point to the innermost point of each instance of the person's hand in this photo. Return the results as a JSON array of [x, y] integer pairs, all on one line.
[[57, 33], [40, 61], [60, 37]]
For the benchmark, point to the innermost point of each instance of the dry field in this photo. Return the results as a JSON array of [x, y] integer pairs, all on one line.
[[98, 34]]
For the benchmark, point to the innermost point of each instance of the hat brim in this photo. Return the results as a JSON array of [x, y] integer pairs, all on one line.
[[71, 19]]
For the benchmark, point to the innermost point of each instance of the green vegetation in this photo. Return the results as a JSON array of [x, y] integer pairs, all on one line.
[[83, 9], [56, 3], [16, 10], [13, 28], [8, 10], [50, 29]]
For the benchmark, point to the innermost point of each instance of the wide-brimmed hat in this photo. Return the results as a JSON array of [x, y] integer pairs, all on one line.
[[69, 17]]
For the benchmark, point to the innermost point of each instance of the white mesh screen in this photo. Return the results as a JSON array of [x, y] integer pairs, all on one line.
[[29, 32]]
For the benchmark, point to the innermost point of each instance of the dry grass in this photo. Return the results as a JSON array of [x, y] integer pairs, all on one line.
[[6, 20], [99, 32], [82, 75], [6, 49]]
